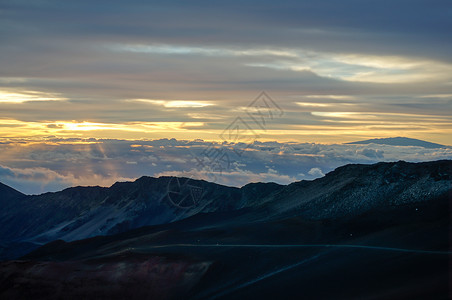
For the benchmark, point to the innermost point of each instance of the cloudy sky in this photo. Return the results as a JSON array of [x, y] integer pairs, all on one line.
[[333, 71]]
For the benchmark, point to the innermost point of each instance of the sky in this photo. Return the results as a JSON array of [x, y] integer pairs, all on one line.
[[98, 72]]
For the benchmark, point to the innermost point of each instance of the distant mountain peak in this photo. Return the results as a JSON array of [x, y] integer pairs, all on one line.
[[400, 141]]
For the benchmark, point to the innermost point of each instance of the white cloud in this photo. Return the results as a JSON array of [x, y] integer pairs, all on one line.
[[200, 50], [316, 172], [175, 103], [21, 96]]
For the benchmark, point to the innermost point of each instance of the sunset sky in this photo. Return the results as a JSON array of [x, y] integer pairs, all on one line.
[[337, 71]]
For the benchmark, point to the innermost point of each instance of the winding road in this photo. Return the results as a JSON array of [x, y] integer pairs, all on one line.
[[308, 246]]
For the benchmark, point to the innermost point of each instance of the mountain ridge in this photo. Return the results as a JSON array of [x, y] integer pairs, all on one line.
[[82, 212], [357, 232], [400, 141]]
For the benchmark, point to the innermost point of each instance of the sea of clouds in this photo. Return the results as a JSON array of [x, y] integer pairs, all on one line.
[[36, 167]]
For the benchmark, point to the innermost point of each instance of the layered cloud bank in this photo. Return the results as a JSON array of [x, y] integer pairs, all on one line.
[[35, 167]]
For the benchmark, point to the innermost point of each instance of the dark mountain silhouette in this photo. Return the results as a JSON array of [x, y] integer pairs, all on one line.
[[401, 141], [360, 232], [82, 212], [8, 195]]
